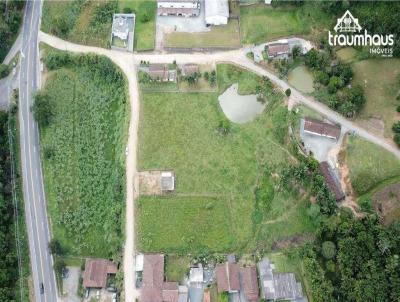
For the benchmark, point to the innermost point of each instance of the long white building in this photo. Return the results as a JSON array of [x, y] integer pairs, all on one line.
[[216, 12], [185, 8]]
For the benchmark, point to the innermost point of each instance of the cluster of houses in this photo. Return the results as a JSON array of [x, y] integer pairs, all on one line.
[[216, 12], [241, 283], [318, 128], [169, 72]]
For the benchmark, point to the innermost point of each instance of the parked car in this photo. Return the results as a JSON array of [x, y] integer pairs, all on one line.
[[114, 297]]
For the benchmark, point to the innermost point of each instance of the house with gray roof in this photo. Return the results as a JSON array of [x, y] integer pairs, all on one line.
[[278, 286], [122, 32]]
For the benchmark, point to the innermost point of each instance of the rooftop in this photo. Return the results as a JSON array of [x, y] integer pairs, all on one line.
[[97, 271], [332, 181], [320, 128], [228, 277]]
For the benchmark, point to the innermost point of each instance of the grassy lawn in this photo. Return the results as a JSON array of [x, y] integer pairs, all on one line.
[[381, 81], [347, 54], [369, 165], [214, 201], [228, 74], [261, 23], [176, 267], [219, 36], [83, 155], [145, 26], [172, 224]]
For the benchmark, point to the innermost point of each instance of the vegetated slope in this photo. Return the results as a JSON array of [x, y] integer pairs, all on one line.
[[218, 166], [369, 164], [83, 151], [10, 20]]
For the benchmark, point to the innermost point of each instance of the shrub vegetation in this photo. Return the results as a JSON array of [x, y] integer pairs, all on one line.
[[84, 170], [11, 12]]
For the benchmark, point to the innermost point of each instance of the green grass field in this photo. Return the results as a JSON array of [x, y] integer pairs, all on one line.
[[83, 156], [381, 81], [216, 175], [261, 23], [176, 267], [369, 165], [219, 36], [75, 21], [145, 27]]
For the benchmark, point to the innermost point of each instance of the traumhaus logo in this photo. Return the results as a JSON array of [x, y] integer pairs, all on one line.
[[349, 33]]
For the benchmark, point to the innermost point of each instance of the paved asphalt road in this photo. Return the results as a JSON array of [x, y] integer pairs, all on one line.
[[35, 203]]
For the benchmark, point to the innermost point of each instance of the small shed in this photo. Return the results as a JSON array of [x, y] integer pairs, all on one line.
[[167, 181], [139, 262], [196, 275]]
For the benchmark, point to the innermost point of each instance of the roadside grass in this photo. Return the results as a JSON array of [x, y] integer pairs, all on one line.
[[83, 155], [380, 79], [261, 23], [145, 26], [219, 36], [75, 21], [176, 267], [179, 131], [369, 164]]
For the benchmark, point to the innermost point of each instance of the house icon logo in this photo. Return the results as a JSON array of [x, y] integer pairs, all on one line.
[[347, 23]]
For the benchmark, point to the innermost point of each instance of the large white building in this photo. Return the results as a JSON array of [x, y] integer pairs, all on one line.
[[185, 8], [216, 12]]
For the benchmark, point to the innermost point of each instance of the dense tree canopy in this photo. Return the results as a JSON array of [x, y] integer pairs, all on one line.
[[10, 20], [8, 260]]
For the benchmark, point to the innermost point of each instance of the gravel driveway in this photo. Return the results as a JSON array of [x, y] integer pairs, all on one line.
[[70, 285]]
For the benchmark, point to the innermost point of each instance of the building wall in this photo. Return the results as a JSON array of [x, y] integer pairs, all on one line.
[[216, 20], [173, 4]]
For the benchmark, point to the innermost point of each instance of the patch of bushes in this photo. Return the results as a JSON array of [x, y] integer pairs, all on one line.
[[334, 78], [4, 70], [82, 117]]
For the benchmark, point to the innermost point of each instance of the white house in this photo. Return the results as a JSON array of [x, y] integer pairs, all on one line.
[[216, 12]]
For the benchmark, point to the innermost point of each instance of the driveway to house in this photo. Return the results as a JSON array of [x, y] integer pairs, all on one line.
[[128, 62], [71, 284]]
